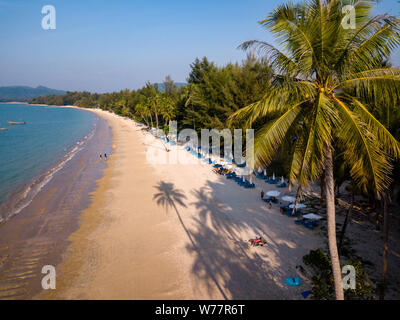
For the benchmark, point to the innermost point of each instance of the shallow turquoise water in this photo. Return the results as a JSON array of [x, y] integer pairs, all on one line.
[[27, 151]]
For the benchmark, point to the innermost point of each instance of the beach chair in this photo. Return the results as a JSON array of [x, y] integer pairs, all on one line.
[[311, 224], [289, 211], [249, 185], [300, 221], [284, 208], [282, 185], [272, 199], [296, 213], [231, 175]]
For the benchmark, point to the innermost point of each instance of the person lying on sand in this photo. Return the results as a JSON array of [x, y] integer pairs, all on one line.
[[257, 242]]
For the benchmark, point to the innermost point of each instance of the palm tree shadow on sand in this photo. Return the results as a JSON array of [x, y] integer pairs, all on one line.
[[244, 272], [169, 197]]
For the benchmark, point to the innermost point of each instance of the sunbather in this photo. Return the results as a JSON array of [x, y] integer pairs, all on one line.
[[257, 242]]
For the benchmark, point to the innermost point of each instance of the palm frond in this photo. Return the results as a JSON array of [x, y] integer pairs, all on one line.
[[363, 151], [271, 136]]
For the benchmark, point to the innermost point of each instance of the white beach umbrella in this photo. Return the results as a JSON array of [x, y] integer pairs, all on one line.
[[273, 176], [273, 193], [282, 180], [265, 172], [244, 180], [288, 198], [239, 171], [312, 216], [259, 170], [298, 206]]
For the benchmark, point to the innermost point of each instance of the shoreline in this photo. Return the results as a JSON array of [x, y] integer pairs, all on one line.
[[38, 234], [131, 245], [130, 241]]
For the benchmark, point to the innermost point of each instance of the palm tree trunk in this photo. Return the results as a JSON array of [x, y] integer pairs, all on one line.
[[385, 248], [297, 200], [155, 110], [151, 119], [322, 182], [346, 221], [330, 211], [144, 118], [377, 219]]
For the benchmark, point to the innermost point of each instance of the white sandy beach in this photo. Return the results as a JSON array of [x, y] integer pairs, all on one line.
[[131, 246]]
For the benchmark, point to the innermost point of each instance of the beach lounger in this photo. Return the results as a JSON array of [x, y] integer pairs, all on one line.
[[289, 211], [249, 185], [311, 224], [282, 185], [272, 199], [300, 221]]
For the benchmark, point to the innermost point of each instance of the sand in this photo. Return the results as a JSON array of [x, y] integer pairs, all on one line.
[[38, 234], [175, 231]]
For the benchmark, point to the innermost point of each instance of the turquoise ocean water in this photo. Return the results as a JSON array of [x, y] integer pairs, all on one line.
[[31, 153]]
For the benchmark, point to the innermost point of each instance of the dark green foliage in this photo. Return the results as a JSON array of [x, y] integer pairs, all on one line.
[[214, 93], [322, 281], [211, 96]]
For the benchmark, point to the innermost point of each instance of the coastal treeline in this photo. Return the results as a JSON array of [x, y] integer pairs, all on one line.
[[326, 108], [209, 97]]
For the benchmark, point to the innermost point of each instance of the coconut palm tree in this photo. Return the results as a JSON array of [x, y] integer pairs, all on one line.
[[167, 108], [324, 74], [145, 113]]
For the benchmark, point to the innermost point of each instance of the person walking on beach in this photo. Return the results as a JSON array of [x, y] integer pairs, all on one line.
[[101, 157], [105, 155], [262, 194]]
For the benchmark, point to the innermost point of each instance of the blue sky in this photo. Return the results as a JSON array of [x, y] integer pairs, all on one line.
[[102, 46]]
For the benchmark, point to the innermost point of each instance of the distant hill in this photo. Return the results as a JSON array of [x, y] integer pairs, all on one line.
[[24, 93]]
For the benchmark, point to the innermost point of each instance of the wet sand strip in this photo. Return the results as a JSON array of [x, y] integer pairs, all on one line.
[[38, 235]]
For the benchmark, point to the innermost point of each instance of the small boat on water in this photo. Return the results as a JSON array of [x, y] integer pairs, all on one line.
[[3, 128], [16, 122]]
